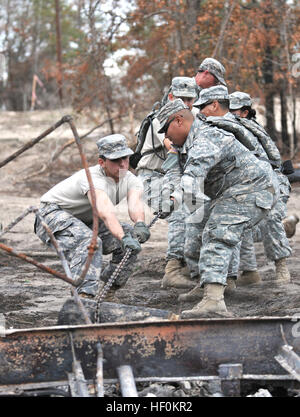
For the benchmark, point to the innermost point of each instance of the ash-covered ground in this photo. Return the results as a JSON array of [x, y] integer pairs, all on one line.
[[30, 297]]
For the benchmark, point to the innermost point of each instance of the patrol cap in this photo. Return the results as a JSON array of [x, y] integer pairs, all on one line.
[[184, 87], [172, 107], [113, 146], [214, 67], [217, 92], [238, 99]]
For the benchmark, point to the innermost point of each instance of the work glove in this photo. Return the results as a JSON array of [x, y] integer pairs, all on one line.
[[141, 231], [128, 242], [166, 208]]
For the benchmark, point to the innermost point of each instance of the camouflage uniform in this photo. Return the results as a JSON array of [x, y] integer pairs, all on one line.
[[151, 170], [173, 168], [69, 217], [270, 231], [193, 228], [240, 190], [74, 236]]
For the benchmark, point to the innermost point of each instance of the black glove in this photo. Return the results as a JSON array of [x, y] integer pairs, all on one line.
[[166, 208], [128, 242], [142, 232]]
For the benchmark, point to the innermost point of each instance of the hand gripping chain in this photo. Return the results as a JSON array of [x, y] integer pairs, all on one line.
[[101, 296]]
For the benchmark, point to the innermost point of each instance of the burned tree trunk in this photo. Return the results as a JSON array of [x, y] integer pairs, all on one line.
[[269, 101], [284, 110]]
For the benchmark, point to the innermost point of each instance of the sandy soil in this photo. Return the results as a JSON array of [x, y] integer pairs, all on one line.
[[32, 298]]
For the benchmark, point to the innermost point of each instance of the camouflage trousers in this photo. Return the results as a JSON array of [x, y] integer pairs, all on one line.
[[195, 225], [270, 232], [152, 182], [74, 236], [224, 225]]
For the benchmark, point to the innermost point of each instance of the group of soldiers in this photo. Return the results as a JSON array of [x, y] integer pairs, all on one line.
[[209, 169]]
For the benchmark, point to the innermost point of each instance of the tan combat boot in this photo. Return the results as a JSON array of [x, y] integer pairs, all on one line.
[[174, 277], [211, 304], [289, 224], [196, 293], [247, 278], [282, 272]]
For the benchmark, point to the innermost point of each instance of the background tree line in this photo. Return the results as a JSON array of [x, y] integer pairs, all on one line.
[[60, 50]]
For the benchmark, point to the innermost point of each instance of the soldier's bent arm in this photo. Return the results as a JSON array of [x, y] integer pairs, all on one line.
[[136, 205], [106, 212]]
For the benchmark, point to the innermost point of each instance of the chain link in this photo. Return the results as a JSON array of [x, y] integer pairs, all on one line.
[[103, 292]]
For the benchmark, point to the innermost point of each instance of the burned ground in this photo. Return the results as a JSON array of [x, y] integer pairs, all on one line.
[[30, 297]]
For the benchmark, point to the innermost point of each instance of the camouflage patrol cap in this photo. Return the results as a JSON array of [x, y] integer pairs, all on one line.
[[238, 99], [214, 67], [217, 92], [113, 147], [184, 87], [167, 110]]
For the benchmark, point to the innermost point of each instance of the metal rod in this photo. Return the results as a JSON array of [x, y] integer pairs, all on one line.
[[93, 244], [127, 383], [37, 264], [99, 374], [32, 142], [108, 381], [289, 360], [80, 383], [17, 220]]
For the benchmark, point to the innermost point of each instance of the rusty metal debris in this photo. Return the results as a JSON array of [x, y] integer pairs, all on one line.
[[77, 382], [99, 373], [32, 142], [127, 383], [156, 351]]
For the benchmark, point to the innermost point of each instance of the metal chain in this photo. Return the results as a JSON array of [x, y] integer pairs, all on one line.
[[101, 296]]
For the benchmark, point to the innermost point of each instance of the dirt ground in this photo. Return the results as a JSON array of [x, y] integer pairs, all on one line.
[[32, 298]]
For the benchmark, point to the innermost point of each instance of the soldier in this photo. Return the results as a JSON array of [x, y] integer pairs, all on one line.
[[150, 170], [67, 210], [271, 230], [240, 190], [210, 73], [193, 241]]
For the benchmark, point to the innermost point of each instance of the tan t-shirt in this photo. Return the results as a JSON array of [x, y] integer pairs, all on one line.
[[71, 193]]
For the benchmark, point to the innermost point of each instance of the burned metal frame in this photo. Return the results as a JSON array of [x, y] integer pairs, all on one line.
[[243, 351]]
